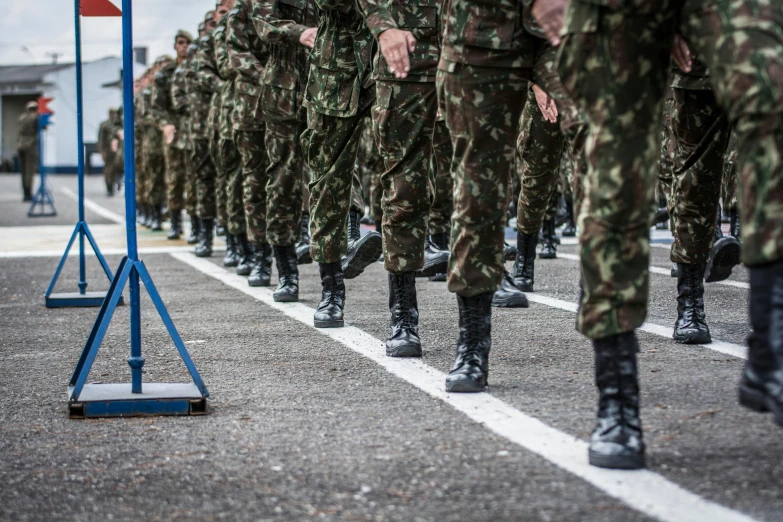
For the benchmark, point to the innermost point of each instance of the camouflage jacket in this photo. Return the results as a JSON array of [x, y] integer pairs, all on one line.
[[421, 17], [28, 132], [226, 108], [162, 107], [248, 55], [106, 133], [281, 23], [181, 99], [488, 33], [340, 78], [209, 85]]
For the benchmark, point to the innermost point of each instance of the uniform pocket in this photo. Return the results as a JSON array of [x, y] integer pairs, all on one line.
[[279, 94], [333, 92], [383, 122], [490, 24]]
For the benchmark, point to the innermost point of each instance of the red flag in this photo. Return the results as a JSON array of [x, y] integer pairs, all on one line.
[[43, 106], [98, 8]]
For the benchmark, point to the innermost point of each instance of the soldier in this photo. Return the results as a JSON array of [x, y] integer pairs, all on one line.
[[338, 96], [106, 132], [170, 120], [289, 28], [27, 148], [142, 207], [247, 56], [622, 94], [154, 146]]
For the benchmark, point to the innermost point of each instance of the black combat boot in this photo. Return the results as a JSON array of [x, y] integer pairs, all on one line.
[[761, 387], [147, 216], [616, 442], [524, 265], [508, 295], [441, 241], [734, 224], [691, 326], [675, 271], [470, 372], [436, 261], [287, 290], [204, 247], [28, 195], [404, 323], [548, 245], [176, 225], [362, 250], [261, 275], [140, 217], [661, 216], [156, 223], [232, 252], [303, 256], [221, 231], [509, 251], [245, 252], [569, 230], [330, 310], [724, 257], [195, 230]]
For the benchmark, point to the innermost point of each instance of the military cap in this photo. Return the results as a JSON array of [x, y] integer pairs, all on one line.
[[184, 34], [31, 105]]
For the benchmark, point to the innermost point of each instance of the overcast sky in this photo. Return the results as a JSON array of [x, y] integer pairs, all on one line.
[[47, 26]]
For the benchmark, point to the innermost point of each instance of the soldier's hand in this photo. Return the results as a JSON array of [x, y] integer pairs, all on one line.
[[682, 54], [115, 146], [395, 46], [121, 134], [308, 37], [546, 104], [168, 132], [549, 14]]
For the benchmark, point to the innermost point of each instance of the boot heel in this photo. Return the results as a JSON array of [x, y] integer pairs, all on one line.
[[753, 400], [616, 461]]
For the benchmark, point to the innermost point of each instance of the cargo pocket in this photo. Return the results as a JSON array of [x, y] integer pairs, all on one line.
[[334, 93], [245, 112], [384, 124], [278, 96]]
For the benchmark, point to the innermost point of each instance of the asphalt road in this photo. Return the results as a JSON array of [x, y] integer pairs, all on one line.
[[311, 424]]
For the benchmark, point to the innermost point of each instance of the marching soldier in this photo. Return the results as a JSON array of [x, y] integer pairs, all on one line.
[[106, 133], [27, 148]]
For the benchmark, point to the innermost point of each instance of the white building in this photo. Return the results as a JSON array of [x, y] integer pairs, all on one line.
[[21, 84]]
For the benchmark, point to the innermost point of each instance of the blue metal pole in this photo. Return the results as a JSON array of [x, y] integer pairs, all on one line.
[[80, 142], [136, 361]]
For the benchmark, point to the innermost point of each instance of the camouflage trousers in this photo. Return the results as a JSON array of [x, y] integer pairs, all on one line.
[[250, 144], [403, 123], [538, 156], [621, 152], [141, 171], [729, 182], [666, 159], [482, 106], [221, 186], [176, 176], [693, 206], [29, 165], [231, 164], [330, 145], [191, 189], [154, 160], [370, 165], [286, 176], [109, 170], [205, 174], [441, 184]]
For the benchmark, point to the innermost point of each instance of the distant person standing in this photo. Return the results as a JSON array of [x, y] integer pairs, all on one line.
[[106, 133], [27, 147]]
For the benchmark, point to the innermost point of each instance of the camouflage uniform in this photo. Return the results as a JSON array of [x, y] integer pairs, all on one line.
[[164, 112], [370, 165], [153, 154], [484, 70], [27, 148], [230, 162], [404, 121], [181, 101], [247, 55], [729, 180], [621, 151], [281, 23], [338, 95], [440, 181], [141, 171], [205, 86], [105, 136]]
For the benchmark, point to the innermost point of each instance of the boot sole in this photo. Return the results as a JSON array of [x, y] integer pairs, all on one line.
[[190, 241], [174, 238], [404, 351], [244, 272], [692, 338], [436, 268], [231, 264], [753, 399], [515, 301], [367, 253], [438, 278], [723, 263], [547, 256], [466, 387], [616, 461], [256, 284], [524, 286], [203, 254], [286, 298], [329, 324]]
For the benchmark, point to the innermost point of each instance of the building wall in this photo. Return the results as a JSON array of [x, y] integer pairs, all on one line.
[[61, 153]]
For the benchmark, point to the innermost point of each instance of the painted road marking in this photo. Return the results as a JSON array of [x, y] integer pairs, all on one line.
[[98, 209], [644, 490]]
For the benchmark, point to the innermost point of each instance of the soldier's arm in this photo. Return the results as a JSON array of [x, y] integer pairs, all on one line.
[[207, 76], [240, 55], [378, 15], [395, 44], [179, 90], [158, 109], [272, 29], [221, 55]]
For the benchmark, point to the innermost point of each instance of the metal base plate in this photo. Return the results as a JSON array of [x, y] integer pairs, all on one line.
[[116, 400], [75, 299]]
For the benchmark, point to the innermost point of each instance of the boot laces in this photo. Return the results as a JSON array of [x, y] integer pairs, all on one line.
[[402, 307]]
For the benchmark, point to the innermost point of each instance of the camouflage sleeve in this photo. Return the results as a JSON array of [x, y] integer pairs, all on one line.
[[102, 137], [334, 5], [240, 55], [179, 89], [158, 105], [272, 29], [207, 76], [221, 54], [378, 15]]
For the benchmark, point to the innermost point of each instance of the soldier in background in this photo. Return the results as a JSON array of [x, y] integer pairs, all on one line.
[[106, 132], [154, 147], [27, 148], [170, 120]]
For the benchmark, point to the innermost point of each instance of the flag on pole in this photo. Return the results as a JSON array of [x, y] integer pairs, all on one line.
[[98, 8], [43, 106]]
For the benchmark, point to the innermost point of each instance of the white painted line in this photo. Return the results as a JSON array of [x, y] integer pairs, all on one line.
[[644, 490], [88, 203], [106, 252], [665, 271]]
